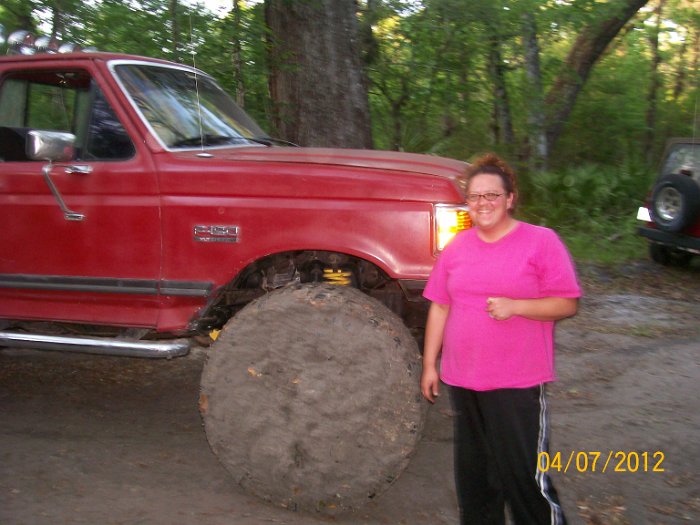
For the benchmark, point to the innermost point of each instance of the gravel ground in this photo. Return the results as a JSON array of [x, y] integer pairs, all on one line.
[[87, 439]]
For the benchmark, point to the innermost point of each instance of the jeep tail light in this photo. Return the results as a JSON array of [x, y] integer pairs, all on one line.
[[449, 221]]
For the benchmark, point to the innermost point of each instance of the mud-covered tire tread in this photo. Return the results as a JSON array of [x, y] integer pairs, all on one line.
[[312, 397]]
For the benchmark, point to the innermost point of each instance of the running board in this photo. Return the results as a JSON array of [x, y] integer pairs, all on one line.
[[96, 345]]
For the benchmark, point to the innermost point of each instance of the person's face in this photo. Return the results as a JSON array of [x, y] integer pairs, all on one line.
[[489, 215]]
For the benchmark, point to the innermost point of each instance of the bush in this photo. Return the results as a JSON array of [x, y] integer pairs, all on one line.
[[592, 207]]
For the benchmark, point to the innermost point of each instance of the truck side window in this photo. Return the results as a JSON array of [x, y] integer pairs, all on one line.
[[60, 101], [106, 137]]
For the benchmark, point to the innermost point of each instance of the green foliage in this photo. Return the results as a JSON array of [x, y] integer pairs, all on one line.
[[19, 14], [609, 241], [147, 28], [592, 207], [215, 56], [431, 89], [609, 121], [588, 191]]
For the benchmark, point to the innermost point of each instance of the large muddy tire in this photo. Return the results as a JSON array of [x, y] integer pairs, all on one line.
[[310, 398]]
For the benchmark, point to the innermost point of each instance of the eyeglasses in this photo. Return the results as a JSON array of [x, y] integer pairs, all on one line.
[[473, 198]]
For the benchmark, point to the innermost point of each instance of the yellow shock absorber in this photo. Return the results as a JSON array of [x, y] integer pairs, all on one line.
[[339, 277]]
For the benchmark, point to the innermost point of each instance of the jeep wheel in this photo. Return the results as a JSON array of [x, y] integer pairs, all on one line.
[[310, 397], [675, 202], [669, 256]]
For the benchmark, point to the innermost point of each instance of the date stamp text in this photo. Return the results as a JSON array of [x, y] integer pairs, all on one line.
[[605, 461]]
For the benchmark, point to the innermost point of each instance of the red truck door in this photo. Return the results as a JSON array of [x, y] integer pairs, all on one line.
[[103, 269]]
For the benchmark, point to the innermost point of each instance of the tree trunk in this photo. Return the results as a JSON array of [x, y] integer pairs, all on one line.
[[317, 80], [682, 69], [653, 85], [57, 21], [397, 99], [587, 49], [369, 43], [433, 71], [236, 55], [503, 123], [537, 153], [175, 30]]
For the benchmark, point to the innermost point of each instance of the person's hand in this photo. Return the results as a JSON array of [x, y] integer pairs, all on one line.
[[500, 308], [430, 383]]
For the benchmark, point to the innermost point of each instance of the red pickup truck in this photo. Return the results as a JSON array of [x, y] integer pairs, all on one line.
[[143, 210]]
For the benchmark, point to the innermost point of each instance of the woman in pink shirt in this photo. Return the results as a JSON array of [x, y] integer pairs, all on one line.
[[496, 291]]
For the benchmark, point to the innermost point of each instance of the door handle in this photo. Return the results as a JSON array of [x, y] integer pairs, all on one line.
[[80, 169]]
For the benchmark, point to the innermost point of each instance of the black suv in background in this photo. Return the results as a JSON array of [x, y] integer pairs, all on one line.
[[672, 208]]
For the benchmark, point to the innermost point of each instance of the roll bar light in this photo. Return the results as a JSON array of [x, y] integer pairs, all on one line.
[[23, 42]]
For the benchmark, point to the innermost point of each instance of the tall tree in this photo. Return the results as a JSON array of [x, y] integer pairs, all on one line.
[[17, 14], [174, 30], [502, 122], [586, 50], [686, 17], [370, 46], [57, 22], [655, 82], [397, 96], [237, 53], [317, 79], [536, 139]]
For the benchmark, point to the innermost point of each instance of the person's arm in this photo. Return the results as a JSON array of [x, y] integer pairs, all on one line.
[[544, 309], [434, 332]]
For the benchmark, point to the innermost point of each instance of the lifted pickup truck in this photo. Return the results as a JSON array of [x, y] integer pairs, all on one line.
[[143, 210]]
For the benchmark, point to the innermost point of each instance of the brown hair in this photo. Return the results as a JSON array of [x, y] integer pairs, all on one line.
[[492, 164]]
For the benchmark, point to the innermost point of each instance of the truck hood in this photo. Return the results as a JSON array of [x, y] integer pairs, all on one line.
[[373, 159], [328, 172]]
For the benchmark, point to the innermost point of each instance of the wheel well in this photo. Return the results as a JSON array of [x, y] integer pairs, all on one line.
[[305, 266]]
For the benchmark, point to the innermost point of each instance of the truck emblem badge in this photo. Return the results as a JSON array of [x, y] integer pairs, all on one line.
[[203, 233]]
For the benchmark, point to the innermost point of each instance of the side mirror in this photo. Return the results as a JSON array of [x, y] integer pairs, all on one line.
[[51, 146]]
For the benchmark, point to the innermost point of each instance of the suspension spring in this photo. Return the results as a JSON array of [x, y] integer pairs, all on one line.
[[337, 276]]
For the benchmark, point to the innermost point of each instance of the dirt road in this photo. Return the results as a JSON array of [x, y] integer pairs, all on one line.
[[99, 440]]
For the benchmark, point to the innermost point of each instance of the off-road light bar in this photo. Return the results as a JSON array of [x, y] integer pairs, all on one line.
[[24, 43]]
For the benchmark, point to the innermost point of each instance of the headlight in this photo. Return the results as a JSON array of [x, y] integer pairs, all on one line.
[[449, 220]]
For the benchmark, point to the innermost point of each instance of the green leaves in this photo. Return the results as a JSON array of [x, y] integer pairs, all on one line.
[[431, 87]]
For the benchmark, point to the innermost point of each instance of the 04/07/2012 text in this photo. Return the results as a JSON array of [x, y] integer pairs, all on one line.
[[597, 461]]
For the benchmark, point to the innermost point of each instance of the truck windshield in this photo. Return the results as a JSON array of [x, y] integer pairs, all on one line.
[[186, 110]]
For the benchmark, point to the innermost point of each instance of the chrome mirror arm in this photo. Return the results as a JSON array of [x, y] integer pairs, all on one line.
[[68, 214]]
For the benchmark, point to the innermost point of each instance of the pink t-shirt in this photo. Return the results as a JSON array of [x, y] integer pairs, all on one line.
[[481, 353]]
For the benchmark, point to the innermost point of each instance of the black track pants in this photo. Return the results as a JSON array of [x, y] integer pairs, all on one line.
[[498, 436]]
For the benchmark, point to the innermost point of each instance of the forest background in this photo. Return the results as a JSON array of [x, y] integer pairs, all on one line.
[[580, 95]]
